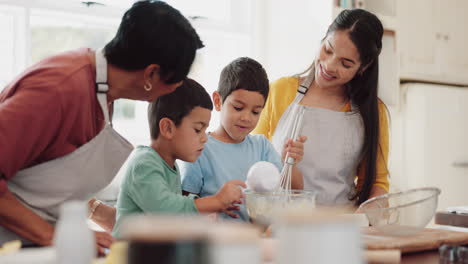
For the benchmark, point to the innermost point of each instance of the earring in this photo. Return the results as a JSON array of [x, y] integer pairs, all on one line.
[[148, 87]]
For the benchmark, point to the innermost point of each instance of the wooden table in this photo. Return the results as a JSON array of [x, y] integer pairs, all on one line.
[[424, 245]]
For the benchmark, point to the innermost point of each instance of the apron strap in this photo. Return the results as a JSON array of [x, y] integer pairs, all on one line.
[[101, 83], [101, 72], [304, 86]]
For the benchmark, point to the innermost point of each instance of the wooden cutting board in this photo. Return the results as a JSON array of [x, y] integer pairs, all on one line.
[[427, 239]]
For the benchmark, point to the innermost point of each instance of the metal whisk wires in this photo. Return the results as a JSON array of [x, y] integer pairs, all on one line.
[[284, 185]]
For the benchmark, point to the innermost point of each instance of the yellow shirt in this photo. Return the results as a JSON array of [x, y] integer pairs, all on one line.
[[283, 92]]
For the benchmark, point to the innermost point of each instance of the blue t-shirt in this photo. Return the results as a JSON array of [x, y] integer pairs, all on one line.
[[221, 162]]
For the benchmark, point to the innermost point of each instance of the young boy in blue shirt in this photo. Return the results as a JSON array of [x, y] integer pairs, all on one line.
[[230, 151], [152, 181]]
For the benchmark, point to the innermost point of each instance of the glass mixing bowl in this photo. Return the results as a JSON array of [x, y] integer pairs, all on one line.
[[263, 207], [402, 213]]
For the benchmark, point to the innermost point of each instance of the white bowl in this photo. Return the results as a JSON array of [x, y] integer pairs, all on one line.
[[402, 213]]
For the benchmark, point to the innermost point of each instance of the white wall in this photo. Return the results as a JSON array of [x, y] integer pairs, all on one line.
[[288, 34]]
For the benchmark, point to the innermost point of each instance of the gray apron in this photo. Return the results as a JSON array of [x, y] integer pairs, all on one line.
[[75, 176], [332, 151]]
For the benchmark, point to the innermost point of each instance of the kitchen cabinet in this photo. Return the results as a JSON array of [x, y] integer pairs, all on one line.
[[454, 40], [436, 140], [432, 40]]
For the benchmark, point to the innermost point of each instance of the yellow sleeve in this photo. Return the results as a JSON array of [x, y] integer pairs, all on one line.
[[263, 125], [381, 177], [282, 93]]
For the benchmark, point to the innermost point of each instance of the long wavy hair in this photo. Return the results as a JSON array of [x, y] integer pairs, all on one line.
[[365, 31]]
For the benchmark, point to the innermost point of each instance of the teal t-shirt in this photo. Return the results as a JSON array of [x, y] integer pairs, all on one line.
[[221, 162], [150, 186]]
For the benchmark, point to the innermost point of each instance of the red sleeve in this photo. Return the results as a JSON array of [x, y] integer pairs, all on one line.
[[29, 120]]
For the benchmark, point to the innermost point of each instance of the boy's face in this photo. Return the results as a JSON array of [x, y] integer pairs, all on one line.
[[240, 113], [190, 136]]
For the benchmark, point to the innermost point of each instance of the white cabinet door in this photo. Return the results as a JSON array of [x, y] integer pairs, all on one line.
[[416, 36], [454, 40], [389, 82], [436, 141], [433, 40]]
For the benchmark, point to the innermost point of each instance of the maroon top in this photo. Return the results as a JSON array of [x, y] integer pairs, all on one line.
[[50, 110]]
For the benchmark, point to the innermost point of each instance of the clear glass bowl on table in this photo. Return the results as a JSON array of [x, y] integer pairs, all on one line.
[[263, 207]]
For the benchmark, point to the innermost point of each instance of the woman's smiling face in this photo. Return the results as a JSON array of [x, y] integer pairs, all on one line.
[[338, 60]]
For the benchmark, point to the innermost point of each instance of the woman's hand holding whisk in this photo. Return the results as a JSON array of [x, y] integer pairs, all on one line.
[[294, 149], [293, 152]]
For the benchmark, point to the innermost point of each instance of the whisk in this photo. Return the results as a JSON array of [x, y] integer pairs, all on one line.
[[284, 186]]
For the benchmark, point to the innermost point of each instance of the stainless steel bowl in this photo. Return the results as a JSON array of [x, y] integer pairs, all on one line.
[[402, 213]]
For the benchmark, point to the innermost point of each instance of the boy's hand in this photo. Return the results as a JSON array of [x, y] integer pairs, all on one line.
[[104, 216], [103, 242], [230, 194], [230, 211], [294, 148]]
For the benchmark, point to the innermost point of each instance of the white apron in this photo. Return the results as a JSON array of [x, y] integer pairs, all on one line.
[[75, 176], [332, 151]]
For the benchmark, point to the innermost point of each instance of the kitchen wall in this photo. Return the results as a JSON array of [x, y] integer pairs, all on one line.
[[290, 34]]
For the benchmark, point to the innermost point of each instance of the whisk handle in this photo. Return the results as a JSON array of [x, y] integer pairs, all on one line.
[[290, 160]]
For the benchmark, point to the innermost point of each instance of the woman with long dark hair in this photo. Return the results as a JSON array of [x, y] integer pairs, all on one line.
[[344, 120]]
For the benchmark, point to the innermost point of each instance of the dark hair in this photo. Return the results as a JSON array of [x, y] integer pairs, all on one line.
[[177, 105], [153, 32], [243, 73], [365, 31]]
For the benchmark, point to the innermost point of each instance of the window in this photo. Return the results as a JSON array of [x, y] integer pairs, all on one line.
[[212, 10], [11, 49], [7, 27], [53, 32]]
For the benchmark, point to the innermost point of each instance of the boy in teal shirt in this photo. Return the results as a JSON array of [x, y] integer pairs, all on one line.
[[230, 151], [152, 182]]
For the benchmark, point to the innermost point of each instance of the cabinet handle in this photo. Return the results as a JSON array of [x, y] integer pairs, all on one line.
[[460, 164]]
